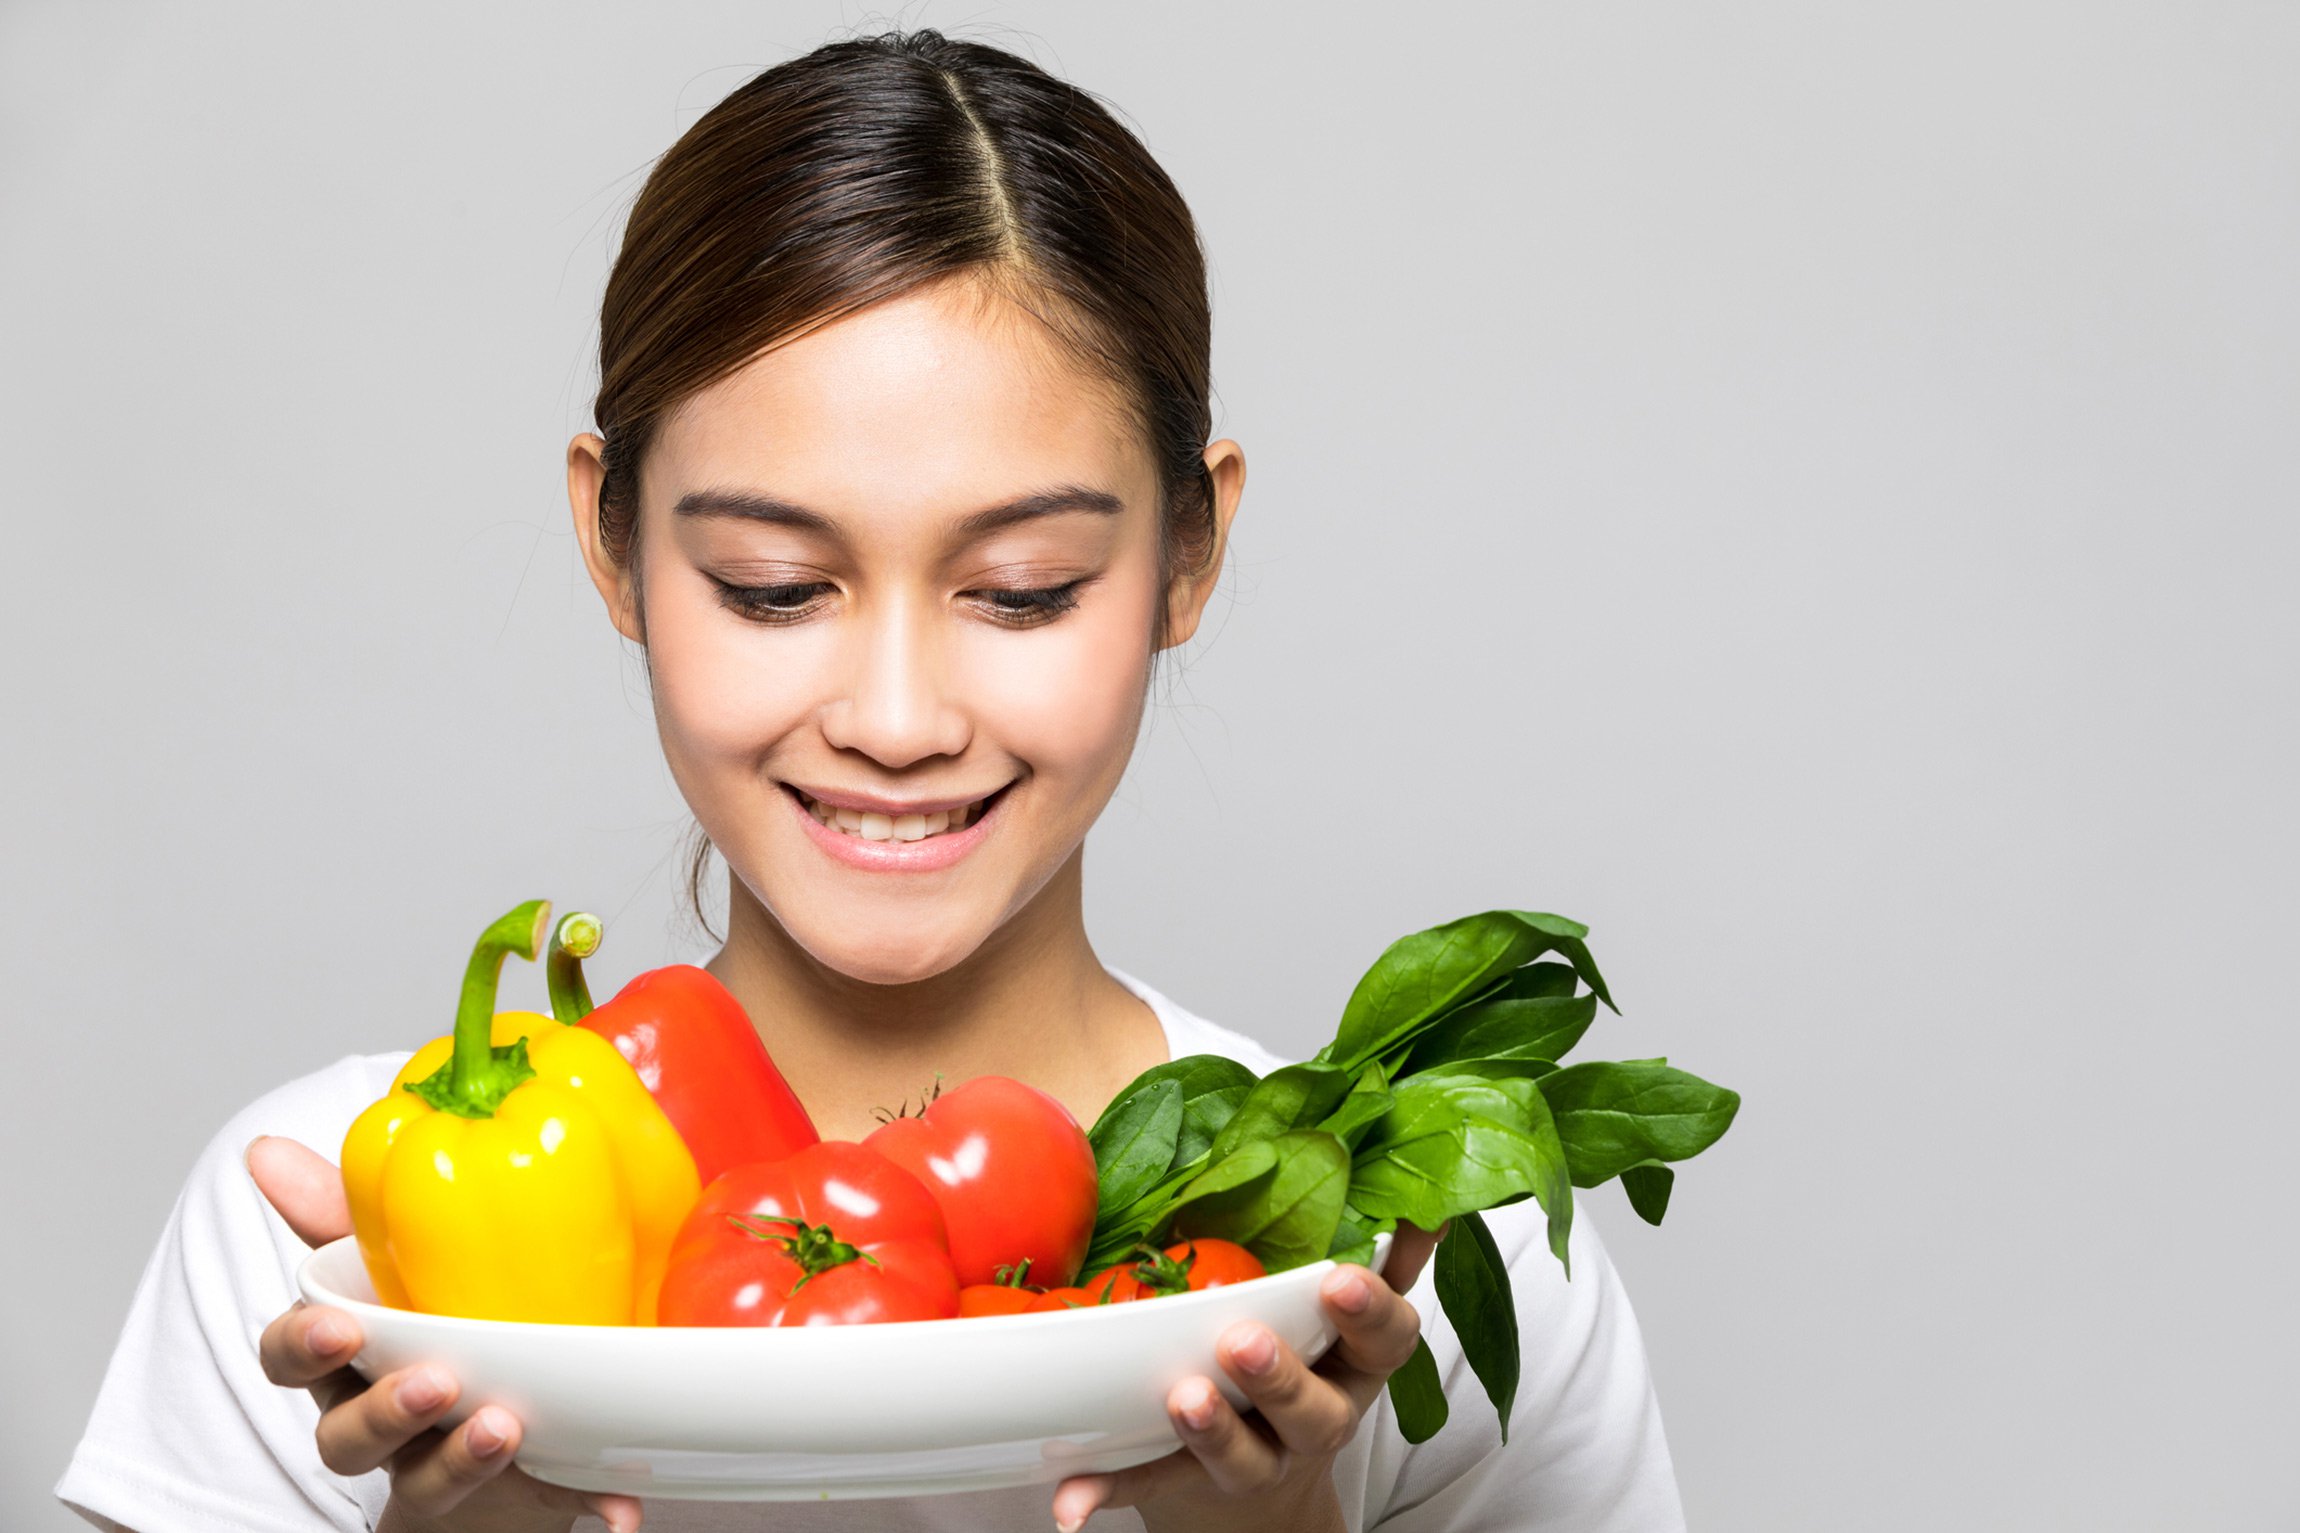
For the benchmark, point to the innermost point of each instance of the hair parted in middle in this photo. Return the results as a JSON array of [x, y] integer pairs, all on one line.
[[872, 167]]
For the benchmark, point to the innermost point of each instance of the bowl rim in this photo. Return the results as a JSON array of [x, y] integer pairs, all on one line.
[[317, 1291]]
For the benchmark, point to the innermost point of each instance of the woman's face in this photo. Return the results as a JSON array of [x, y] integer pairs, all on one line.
[[900, 581]]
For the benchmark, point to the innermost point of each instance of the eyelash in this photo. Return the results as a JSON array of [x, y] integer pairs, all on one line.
[[776, 604]]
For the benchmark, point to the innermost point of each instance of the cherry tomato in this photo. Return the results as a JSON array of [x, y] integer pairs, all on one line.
[[1012, 1171], [997, 1299], [1008, 1296], [1185, 1267], [1095, 1291], [836, 1234]]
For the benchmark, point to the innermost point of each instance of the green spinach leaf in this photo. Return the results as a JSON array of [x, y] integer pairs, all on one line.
[[1288, 1218], [1354, 1237], [1473, 1285], [1504, 1028], [1134, 1142], [1212, 1086], [1454, 1144], [1369, 1098], [1418, 1396], [1290, 1097], [1648, 1184], [1613, 1116], [1418, 977]]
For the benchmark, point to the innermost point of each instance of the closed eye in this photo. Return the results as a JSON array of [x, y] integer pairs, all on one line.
[[794, 601], [776, 603], [1022, 607]]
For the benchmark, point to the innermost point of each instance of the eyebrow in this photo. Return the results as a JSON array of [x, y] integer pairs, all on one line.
[[749, 505]]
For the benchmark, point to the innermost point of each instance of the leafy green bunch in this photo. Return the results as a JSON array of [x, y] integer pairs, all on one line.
[[1440, 1095]]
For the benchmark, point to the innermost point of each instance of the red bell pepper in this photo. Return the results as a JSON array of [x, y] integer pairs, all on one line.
[[695, 1048]]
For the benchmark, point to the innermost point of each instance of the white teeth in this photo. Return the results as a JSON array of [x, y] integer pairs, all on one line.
[[872, 826]]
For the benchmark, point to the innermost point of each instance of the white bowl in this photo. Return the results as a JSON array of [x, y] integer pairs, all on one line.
[[808, 1412]]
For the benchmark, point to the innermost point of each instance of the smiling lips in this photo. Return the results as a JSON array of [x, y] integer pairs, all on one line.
[[872, 825], [878, 836]]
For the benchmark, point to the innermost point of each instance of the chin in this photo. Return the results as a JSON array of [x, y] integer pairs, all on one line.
[[900, 956]]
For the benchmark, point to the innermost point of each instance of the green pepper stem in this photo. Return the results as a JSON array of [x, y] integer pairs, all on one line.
[[477, 1075], [573, 940]]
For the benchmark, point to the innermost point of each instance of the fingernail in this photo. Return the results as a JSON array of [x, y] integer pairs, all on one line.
[[1257, 1352], [485, 1437], [247, 1156], [329, 1336], [423, 1391], [1200, 1411], [1350, 1294], [1068, 1525]]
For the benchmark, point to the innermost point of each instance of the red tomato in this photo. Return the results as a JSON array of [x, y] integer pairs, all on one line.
[[1185, 1267], [1012, 1171], [836, 1234]]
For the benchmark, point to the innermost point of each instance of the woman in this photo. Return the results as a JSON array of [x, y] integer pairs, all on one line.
[[901, 483]]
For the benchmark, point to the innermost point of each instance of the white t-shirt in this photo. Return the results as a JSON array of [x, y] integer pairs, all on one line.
[[188, 1436]]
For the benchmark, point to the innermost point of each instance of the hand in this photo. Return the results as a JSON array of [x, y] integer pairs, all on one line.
[[1271, 1472], [458, 1480]]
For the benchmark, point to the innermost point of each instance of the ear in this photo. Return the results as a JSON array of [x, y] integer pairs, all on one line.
[[586, 471], [1187, 596]]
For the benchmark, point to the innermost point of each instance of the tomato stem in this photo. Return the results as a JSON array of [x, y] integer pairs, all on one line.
[[812, 1246], [1164, 1274]]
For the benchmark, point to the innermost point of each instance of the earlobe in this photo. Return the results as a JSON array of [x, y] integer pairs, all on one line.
[[1186, 598], [586, 472]]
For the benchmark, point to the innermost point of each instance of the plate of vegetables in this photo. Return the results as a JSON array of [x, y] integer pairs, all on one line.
[[617, 1222]]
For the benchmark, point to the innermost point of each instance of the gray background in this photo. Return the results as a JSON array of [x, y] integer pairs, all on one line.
[[1793, 486]]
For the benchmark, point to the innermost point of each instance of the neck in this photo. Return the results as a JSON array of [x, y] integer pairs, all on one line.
[[1032, 1002]]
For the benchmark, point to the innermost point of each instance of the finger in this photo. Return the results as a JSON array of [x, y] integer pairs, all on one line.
[[1239, 1460], [1310, 1414], [439, 1472], [1410, 1249], [364, 1431], [622, 1514], [307, 1344], [1375, 1326], [1081, 1496], [306, 1188]]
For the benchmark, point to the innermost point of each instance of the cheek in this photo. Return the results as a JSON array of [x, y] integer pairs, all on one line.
[[1067, 699], [718, 699]]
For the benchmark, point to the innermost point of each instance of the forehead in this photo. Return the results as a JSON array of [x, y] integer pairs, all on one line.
[[937, 402]]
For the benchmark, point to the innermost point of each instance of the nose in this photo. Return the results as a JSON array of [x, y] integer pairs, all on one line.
[[897, 707]]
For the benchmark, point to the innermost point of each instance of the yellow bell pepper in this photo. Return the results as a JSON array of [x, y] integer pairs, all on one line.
[[517, 1169]]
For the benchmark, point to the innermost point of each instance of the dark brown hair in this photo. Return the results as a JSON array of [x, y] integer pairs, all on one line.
[[869, 168]]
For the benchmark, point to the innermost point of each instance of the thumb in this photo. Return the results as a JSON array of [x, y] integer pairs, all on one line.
[[305, 1187], [1410, 1249]]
